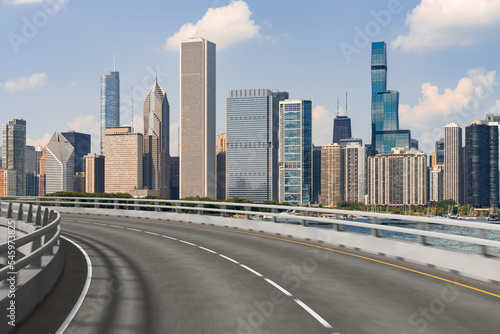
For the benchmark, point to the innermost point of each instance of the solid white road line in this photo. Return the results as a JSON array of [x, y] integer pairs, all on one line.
[[166, 236], [208, 250], [314, 314], [228, 258], [188, 243], [251, 270], [278, 287], [152, 233], [84, 291]]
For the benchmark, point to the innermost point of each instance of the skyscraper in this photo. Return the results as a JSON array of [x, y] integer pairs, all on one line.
[[14, 151], [295, 155], [252, 122], [220, 150], [481, 165], [59, 165], [156, 140], [110, 103], [316, 174], [81, 144], [332, 174], [123, 167], [197, 118], [94, 173], [8, 182], [453, 160], [355, 172], [386, 134]]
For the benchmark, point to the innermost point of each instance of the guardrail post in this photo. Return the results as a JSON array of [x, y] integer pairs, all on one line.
[[45, 217], [274, 210], [20, 212], [200, 211], [223, 213], [136, 205], [37, 243], [29, 218], [115, 206], [375, 231], [9, 210], [483, 250], [51, 216], [421, 238], [96, 203], [38, 217], [38, 201], [177, 207]]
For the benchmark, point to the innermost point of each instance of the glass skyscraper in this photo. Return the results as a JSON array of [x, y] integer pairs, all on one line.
[[110, 103], [14, 151], [295, 158], [252, 117], [81, 144], [386, 134]]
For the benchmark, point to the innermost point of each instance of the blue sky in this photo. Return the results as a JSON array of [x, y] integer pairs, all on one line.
[[443, 58]]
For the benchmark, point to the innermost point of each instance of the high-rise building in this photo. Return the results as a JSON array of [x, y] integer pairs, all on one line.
[[123, 167], [440, 152], [59, 165], [355, 172], [14, 151], [453, 162], [156, 140], [481, 165], [110, 103], [197, 119], [8, 182], [316, 174], [80, 182], [220, 151], [399, 178], [173, 164], [332, 174], [81, 144], [38, 156], [341, 128], [252, 123], [30, 157], [94, 173], [32, 183], [495, 120], [436, 183], [295, 154], [386, 134]]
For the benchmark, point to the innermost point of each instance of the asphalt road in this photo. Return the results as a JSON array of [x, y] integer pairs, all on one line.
[[163, 277]]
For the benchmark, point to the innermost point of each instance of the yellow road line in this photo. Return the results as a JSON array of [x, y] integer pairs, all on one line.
[[315, 246]]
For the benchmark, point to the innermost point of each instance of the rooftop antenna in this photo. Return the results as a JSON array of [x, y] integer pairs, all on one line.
[[114, 70], [132, 111], [338, 106], [346, 102]]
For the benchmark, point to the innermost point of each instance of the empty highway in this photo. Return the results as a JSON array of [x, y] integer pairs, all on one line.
[[164, 277]]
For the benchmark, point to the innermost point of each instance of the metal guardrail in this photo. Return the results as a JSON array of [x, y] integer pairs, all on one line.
[[305, 215], [45, 236]]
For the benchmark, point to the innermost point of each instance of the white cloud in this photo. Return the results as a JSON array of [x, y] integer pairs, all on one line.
[[224, 26], [88, 124], [322, 121], [36, 80], [461, 104], [496, 108], [42, 142], [437, 24]]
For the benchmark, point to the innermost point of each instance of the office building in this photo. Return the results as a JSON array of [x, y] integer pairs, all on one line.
[[14, 151], [30, 159], [156, 141], [350, 141], [220, 151], [124, 157], [355, 172], [332, 174], [94, 173], [436, 183], [453, 163], [397, 179], [252, 123], [295, 155], [8, 182], [481, 165], [81, 144], [341, 128], [414, 144], [197, 119], [173, 164], [386, 134], [110, 103], [316, 174], [439, 152], [59, 165], [80, 182]]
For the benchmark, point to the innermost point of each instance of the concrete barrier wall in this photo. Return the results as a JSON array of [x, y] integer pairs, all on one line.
[[466, 264]]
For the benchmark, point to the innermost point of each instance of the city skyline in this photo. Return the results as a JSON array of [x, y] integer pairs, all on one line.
[[469, 78]]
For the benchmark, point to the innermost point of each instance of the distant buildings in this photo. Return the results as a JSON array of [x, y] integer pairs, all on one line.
[[332, 174], [252, 144], [436, 183], [59, 165], [399, 178], [220, 150], [81, 144], [316, 174], [481, 165], [94, 173], [355, 172], [156, 140], [453, 163], [8, 182], [124, 157], [110, 103], [386, 134], [197, 118], [173, 164], [14, 151], [341, 128], [295, 156]]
